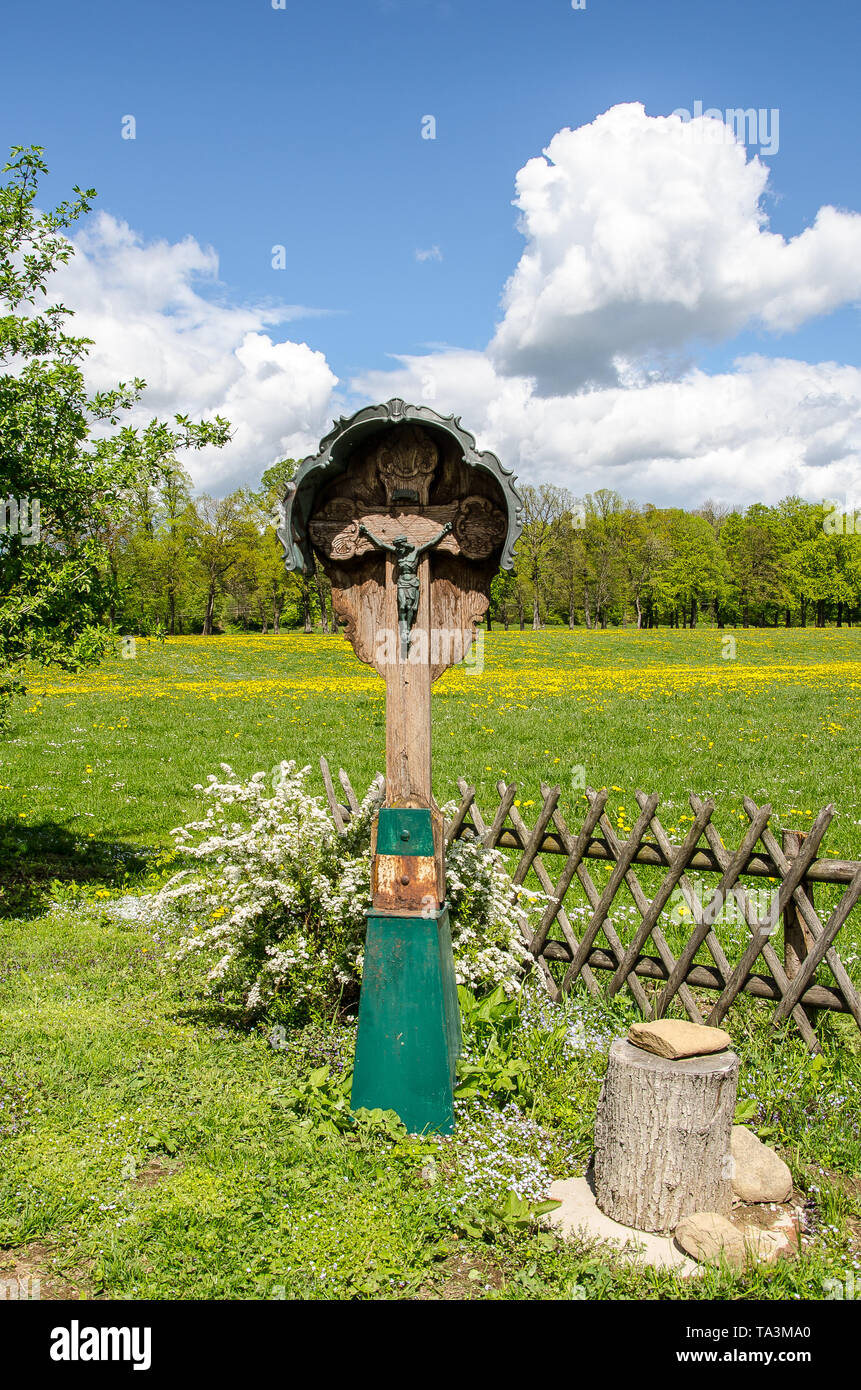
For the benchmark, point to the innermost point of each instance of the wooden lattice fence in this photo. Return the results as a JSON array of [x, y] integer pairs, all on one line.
[[808, 941]]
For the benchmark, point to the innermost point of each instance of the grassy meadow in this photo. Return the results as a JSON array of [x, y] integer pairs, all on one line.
[[150, 1147], [113, 755]]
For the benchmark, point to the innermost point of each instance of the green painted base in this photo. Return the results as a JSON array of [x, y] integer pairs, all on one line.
[[409, 1021]]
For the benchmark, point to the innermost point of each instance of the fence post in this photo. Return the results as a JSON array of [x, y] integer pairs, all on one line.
[[797, 939]]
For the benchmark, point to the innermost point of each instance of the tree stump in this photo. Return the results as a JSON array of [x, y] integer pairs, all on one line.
[[662, 1136]]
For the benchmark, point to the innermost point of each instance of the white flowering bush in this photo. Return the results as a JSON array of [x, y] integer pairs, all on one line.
[[274, 906]]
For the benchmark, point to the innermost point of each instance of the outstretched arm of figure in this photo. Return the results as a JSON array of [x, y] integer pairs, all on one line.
[[375, 540], [429, 545]]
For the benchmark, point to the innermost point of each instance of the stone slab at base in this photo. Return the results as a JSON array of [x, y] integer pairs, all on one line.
[[580, 1212]]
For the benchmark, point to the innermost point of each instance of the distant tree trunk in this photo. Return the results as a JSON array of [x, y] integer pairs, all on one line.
[[804, 612], [322, 597], [210, 609], [587, 616], [520, 614], [745, 615], [276, 617], [536, 614], [718, 614], [820, 612], [505, 616], [788, 618], [693, 612], [839, 614], [306, 605], [639, 612]]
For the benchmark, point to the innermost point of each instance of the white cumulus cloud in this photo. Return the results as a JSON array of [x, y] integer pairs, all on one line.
[[143, 305], [768, 428], [644, 236]]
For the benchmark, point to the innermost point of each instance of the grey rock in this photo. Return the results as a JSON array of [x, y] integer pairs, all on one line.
[[758, 1173]]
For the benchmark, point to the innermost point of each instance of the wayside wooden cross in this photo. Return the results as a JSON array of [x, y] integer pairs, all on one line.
[[410, 523]]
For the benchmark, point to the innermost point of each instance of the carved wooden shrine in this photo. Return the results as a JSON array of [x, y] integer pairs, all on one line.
[[410, 523]]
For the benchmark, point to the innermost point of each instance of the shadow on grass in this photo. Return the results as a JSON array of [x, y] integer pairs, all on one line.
[[211, 1013], [33, 857]]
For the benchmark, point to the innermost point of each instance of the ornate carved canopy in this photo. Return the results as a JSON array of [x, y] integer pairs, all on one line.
[[405, 475]]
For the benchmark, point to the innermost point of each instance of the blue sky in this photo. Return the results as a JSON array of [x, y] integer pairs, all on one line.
[[301, 127]]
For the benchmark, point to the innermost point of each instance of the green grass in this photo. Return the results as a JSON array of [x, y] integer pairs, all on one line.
[[149, 1143], [655, 710]]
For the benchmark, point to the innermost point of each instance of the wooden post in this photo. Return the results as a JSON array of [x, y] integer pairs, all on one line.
[[408, 702], [662, 1136]]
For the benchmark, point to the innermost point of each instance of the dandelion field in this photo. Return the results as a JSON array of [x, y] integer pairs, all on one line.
[[121, 748], [149, 1144]]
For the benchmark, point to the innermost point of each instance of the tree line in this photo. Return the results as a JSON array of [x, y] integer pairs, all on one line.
[[185, 564]]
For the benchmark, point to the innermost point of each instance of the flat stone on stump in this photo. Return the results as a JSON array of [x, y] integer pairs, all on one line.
[[676, 1037], [758, 1173]]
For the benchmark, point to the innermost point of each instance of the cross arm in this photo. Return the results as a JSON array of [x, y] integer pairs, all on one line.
[[375, 540]]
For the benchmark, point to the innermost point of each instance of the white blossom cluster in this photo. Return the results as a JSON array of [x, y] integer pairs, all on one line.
[[486, 910], [277, 906]]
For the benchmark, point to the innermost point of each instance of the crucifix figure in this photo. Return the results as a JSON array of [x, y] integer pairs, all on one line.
[[407, 557]]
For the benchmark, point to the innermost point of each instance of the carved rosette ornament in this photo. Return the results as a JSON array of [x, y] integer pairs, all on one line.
[[479, 528]]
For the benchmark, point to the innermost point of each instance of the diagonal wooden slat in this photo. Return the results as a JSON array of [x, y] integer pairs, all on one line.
[[453, 829], [613, 940], [334, 804], [572, 866], [799, 982], [623, 863], [755, 927], [530, 849], [649, 925], [570, 845], [508, 794], [352, 799], [808, 912], [644, 908], [759, 938], [711, 911], [547, 884], [526, 838], [475, 815], [568, 842], [525, 930], [690, 895]]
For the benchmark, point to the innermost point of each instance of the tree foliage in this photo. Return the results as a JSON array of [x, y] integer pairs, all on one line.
[[67, 463]]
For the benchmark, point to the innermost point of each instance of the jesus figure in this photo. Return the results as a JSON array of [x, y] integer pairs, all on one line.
[[407, 555]]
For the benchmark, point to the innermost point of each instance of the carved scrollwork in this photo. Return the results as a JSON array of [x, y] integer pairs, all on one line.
[[479, 527], [405, 468], [335, 530]]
